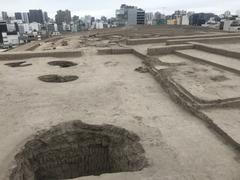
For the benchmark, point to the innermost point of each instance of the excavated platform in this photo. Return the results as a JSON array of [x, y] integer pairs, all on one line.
[[227, 45], [227, 119], [172, 59], [207, 83], [224, 62]]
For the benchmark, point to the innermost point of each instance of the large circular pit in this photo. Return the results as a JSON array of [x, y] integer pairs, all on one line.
[[75, 149], [54, 78]]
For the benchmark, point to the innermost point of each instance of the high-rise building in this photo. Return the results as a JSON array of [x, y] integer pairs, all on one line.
[[149, 18], [140, 16], [3, 28], [238, 12], [63, 16], [180, 13], [227, 14], [23, 28], [158, 16], [45, 17], [36, 16], [25, 17], [51, 27], [122, 14], [104, 18], [88, 21], [18, 16], [75, 18], [92, 20], [4, 16], [12, 27], [130, 15]]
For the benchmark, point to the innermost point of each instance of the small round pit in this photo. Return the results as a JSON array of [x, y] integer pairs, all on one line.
[[18, 64], [62, 64], [54, 78]]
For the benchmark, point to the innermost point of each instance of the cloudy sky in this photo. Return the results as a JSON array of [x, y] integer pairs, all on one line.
[[107, 7]]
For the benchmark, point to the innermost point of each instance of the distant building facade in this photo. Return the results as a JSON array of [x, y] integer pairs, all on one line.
[[24, 28], [63, 16], [34, 26], [36, 16], [9, 34], [232, 24], [130, 15], [3, 28], [140, 16], [18, 16], [63, 19], [88, 21], [199, 19], [149, 18], [212, 23], [25, 17], [45, 17], [4, 16]]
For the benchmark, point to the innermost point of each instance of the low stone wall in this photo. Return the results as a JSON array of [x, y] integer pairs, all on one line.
[[164, 39], [168, 49], [197, 59], [26, 55], [147, 40], [115, 51], [140, 55], [205, 40], [216, 50]]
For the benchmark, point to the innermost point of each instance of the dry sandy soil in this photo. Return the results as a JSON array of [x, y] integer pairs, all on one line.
[[177, 144], [111, 37]]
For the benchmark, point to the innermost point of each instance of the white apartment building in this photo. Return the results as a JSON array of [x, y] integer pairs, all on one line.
[[185, 20], [34, 26], [24, 28], [232, 25], [10, 38], [149, 18]]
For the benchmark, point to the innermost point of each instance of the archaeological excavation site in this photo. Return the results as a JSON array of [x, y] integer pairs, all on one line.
[[128, 103]]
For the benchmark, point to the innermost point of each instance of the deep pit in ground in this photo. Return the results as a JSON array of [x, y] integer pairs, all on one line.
[[76, 149], [18, 64], [54, 78], [62, 64]]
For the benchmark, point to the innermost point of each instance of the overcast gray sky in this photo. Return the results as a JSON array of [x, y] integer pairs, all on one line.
[[107, 7]]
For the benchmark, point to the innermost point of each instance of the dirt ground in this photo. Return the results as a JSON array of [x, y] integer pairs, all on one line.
[[111, 37], [206, 82], [107, 89], [177, 145], [229, 46]]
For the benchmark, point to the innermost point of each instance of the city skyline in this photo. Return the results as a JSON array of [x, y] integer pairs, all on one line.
[[103, 8]]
